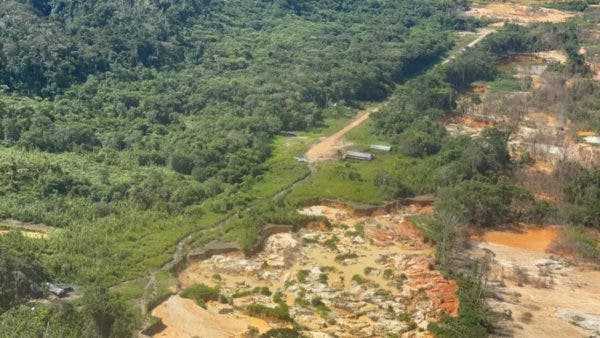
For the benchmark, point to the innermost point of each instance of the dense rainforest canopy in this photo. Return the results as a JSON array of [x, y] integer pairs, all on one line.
[[129, 124], [133, 128], [198, 87]]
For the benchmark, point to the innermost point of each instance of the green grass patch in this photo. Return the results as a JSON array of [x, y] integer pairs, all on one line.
[[257, 290], [504, 84], [356, 181], [201, 294], [280, 312], [131, 290]]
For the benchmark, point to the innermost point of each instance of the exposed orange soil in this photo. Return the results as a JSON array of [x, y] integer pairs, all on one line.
[[480, 89], [545, 167], [524, 58], [420, 209], [584, 133], [440, 290], [536, 239], [544, 119], [405, 232], [470, 122], [327, 148], [389, 241], [543, 196], [393, 229], [519, 13]]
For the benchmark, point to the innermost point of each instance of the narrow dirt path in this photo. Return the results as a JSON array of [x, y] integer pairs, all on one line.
[[482, 33], [327, 148]]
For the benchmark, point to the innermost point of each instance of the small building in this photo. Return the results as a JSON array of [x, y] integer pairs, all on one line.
[[290, 133], [380, 147], [59, 290], [359, 156], [56, 290]]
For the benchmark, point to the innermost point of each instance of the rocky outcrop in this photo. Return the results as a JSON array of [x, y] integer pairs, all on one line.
[[584, 320]]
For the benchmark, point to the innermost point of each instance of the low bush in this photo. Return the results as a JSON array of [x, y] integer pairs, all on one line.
[[202, 293], [281, 311]]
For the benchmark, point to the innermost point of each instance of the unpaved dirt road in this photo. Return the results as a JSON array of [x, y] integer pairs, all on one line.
[[481, 34], [327, 148]]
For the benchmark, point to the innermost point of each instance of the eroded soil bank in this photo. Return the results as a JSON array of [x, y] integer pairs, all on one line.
[[365, 276]]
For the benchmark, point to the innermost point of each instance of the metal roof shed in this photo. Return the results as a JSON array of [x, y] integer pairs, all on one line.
[[56, 290], [359, 156], [380, 147]]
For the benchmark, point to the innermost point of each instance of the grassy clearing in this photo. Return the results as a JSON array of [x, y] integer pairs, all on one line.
[[349, 181], [355, 181], [132, 290]]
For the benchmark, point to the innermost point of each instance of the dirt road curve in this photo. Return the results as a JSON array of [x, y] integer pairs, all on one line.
[[326, 149]]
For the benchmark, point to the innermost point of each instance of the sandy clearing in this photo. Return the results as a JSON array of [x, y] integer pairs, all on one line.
[[327, 148], [183, 318], [572, 288], [553, 56], [519, 13]]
